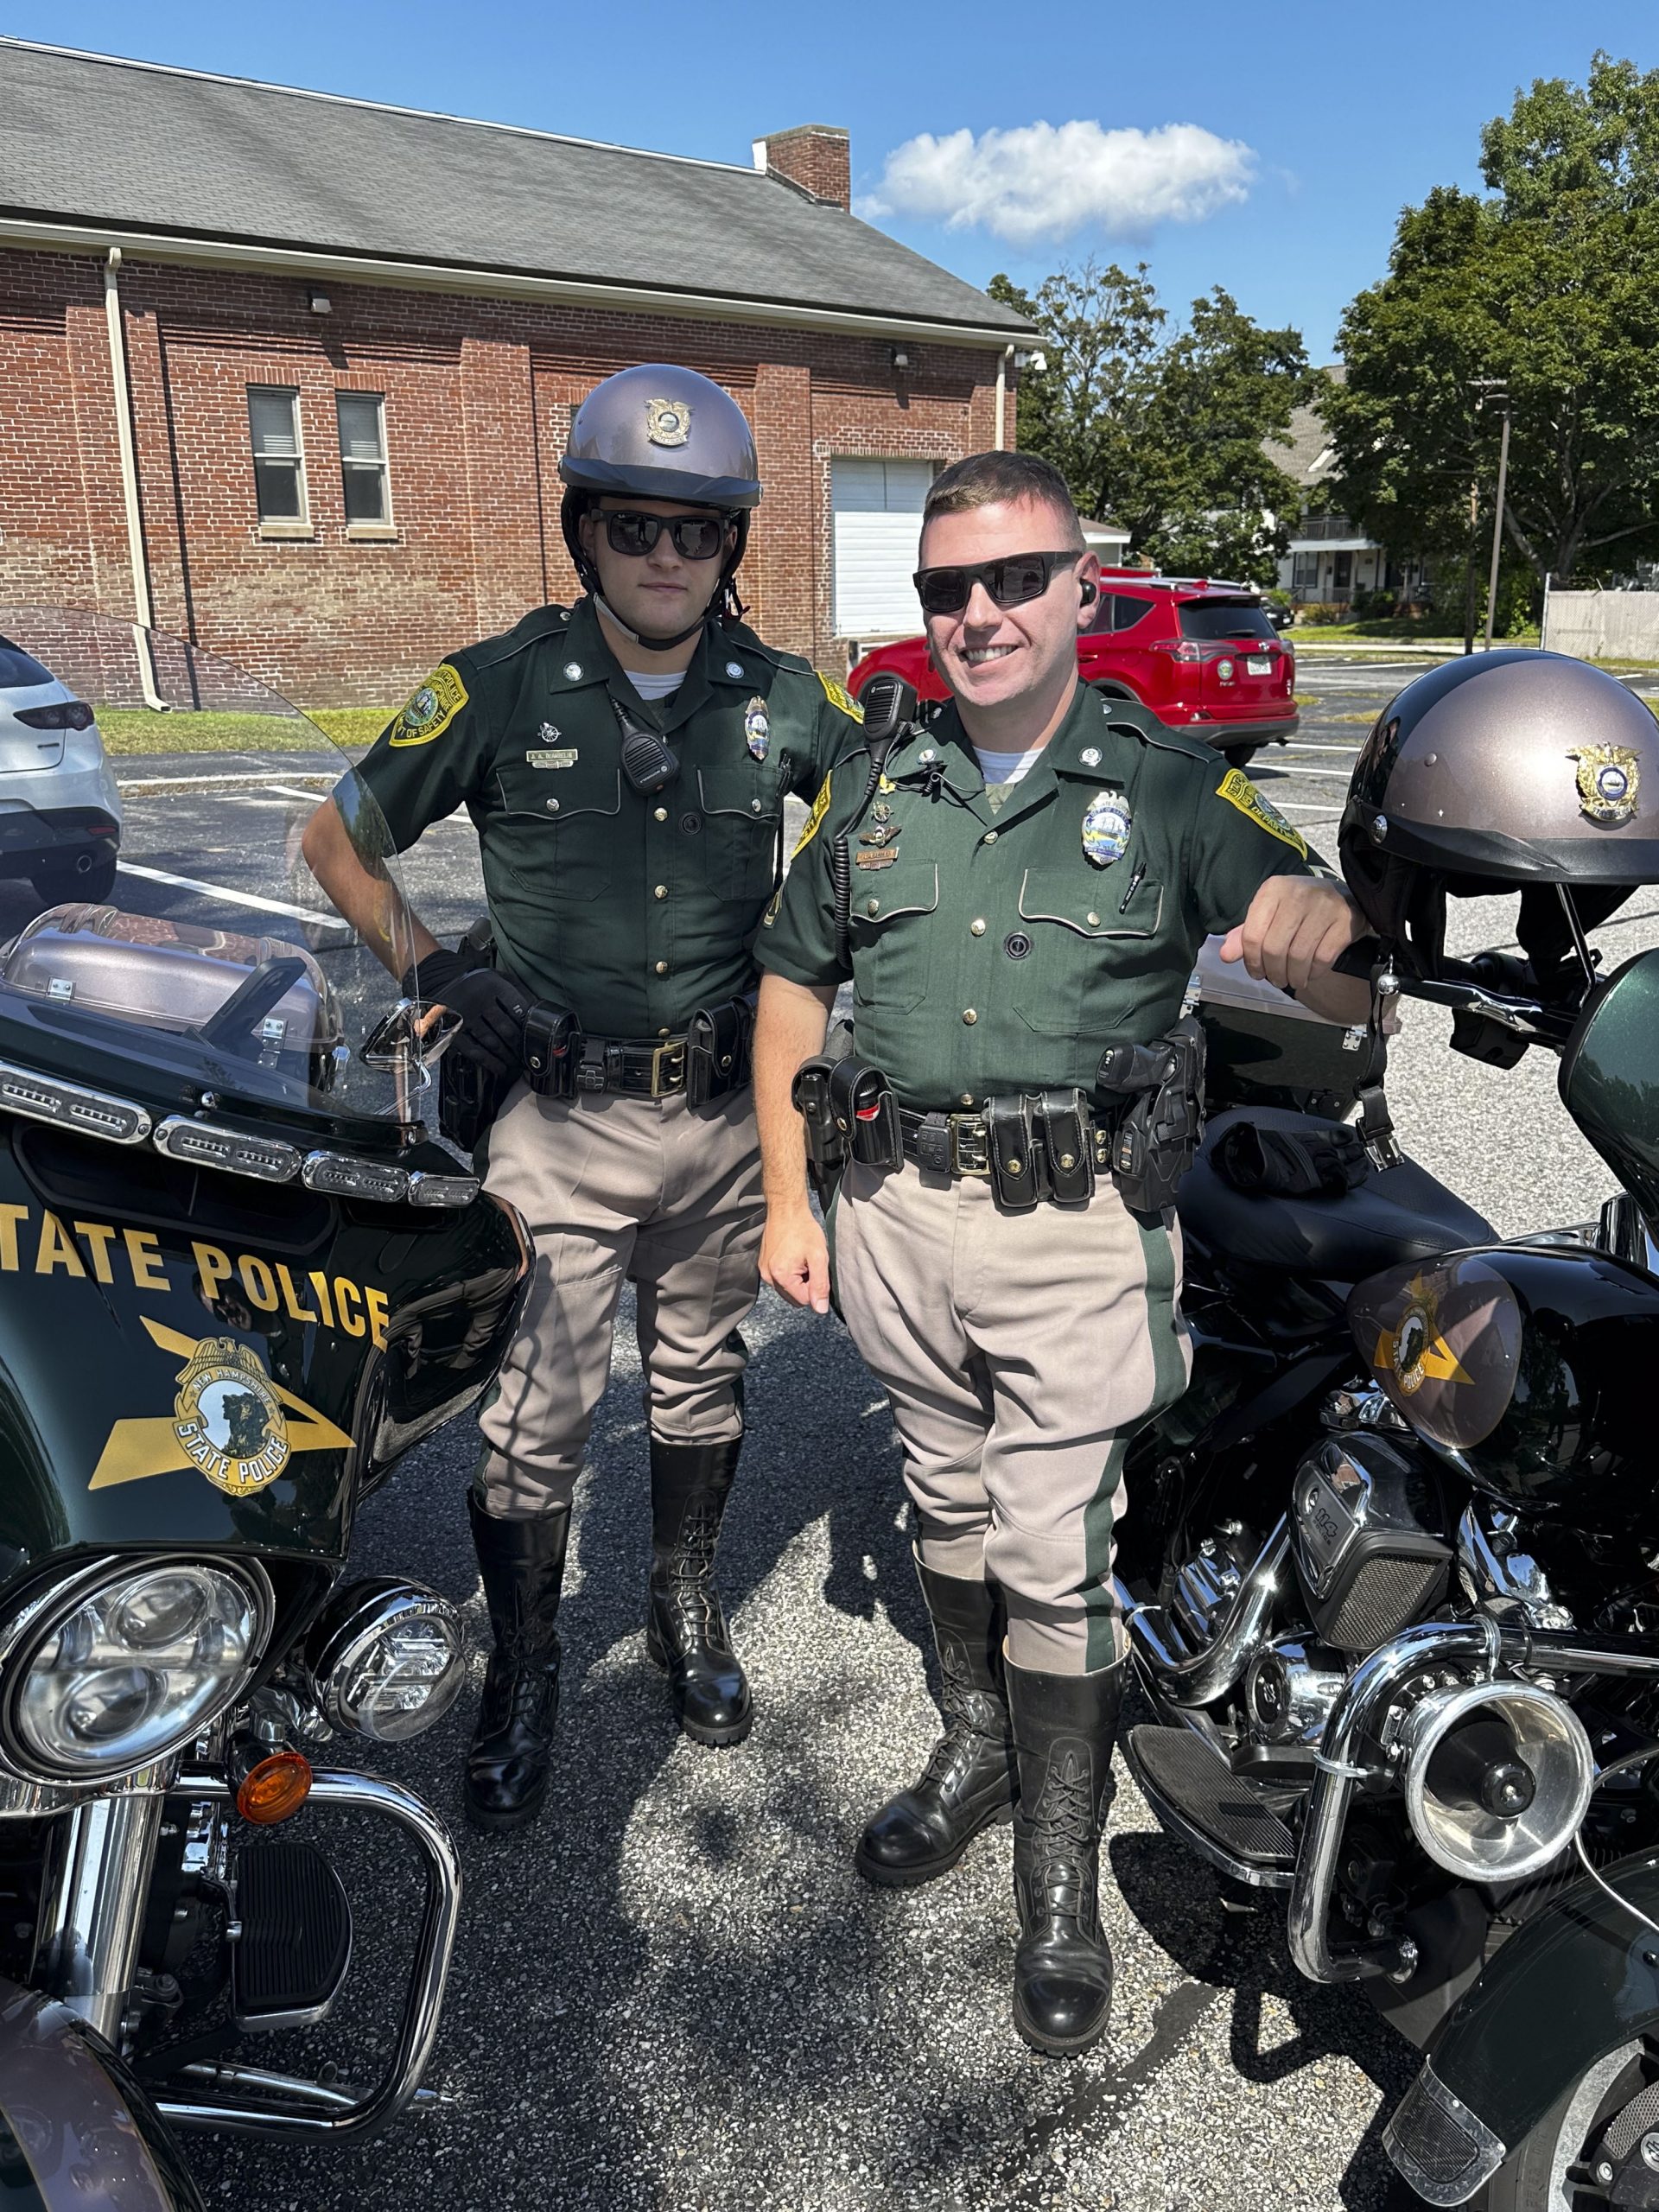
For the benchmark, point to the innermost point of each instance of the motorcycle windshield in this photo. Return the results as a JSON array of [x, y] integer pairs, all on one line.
[[162, 938]]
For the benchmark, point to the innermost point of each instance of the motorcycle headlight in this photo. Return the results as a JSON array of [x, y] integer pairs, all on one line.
[[126, 1671], [386, 1659]]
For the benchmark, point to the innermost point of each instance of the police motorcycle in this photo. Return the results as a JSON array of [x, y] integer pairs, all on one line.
[[240, 1275], [1390, 1573]]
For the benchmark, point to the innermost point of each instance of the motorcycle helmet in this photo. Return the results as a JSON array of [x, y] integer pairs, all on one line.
[[1504, 771], [660, 432]]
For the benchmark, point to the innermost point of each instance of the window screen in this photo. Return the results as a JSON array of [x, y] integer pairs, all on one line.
[[279, 464], [363, 456]]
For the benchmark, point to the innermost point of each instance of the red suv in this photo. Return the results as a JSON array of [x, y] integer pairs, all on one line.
[[1204, 657]]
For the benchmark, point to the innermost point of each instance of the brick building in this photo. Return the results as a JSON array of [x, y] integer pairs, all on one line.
[[295, 371]]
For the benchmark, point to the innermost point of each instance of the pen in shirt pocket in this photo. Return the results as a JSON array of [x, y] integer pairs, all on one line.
[[1134, 885]]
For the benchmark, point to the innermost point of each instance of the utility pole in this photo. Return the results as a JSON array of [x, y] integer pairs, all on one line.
[[1494, 391]]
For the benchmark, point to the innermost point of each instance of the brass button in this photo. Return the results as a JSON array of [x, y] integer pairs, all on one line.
[[872, 906], [662, 967], [552, 806], [661, 892], [1014, 1166], [977, 928], [668, 1032], [1093, 920], [966, 1097], [660, 815], [989, 838], [1067, 1159], [754, 806], [969, 1016]]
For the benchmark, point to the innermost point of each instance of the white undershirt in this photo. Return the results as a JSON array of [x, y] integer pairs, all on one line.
[[1004, 767], [655, 686]]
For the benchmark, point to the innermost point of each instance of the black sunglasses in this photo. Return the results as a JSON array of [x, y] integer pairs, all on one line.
[[696, 537], [1016, 577]]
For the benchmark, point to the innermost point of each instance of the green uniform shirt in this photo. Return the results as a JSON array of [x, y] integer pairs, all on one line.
[[997, 951], [632, 912]]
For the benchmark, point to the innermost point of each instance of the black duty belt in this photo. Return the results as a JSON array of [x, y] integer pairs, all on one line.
[[711, 1060], [637, 1070], [1046, 1144]]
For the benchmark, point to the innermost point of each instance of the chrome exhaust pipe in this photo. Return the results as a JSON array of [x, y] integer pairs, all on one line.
[[1200, 1677]]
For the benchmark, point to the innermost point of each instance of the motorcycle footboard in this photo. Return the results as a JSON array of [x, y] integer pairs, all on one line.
[[1226, 1818], [257, 2101], [295, 1950]]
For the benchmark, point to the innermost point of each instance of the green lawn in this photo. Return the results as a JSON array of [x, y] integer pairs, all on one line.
[[1396, 631], [136, 730]]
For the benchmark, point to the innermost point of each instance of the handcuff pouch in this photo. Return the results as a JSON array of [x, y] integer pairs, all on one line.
[[553, 1043]]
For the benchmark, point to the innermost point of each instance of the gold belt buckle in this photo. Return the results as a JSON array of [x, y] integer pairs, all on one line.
[[665, 1077], [970, 1145]]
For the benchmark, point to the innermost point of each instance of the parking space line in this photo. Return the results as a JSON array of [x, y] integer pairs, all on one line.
[[182, 783], [236, 898]]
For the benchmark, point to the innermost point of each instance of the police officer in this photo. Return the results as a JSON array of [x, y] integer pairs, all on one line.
[[1024, 883], [625, 764]]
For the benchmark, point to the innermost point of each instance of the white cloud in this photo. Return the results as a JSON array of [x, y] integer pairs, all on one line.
[[1044, 180]]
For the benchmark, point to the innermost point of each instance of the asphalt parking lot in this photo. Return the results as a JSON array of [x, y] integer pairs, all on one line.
[[675, 1995]]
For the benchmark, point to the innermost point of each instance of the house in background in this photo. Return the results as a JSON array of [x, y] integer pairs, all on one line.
[[1330, 561]]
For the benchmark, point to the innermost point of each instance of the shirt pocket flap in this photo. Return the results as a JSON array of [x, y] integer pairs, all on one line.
[[557, 794], [883, 895], [754, 792], [1105, 908]]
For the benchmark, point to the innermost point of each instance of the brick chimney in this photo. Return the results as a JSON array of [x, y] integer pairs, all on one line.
[[815, 156]]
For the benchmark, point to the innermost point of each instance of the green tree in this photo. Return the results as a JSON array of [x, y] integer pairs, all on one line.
[[1550, 284], [1163, 433]]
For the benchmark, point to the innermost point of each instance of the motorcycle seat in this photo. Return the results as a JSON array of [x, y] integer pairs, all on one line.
[[1395, 1214]]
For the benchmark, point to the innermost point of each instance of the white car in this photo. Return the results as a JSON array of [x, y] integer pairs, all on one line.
[[59, 810]]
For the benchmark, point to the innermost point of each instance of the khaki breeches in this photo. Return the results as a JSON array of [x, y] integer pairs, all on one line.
[[1020, 1353], [650, 1191]]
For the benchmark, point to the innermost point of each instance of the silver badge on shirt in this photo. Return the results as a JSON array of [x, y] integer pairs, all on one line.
[[1107, 822]]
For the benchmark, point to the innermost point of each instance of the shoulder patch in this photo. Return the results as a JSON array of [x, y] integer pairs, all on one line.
[[430, 709], [1238, 791], [839, 697], [820, 808]]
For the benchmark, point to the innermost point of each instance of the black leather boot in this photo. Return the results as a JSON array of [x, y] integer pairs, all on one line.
[[685, 1634], [968, 1783], [523, 1565], [1064, 1727]]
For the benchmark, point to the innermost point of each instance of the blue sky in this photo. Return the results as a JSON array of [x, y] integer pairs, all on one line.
[[1264, 147]]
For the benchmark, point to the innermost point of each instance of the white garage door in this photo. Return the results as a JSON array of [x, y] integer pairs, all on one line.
[[877, 506]]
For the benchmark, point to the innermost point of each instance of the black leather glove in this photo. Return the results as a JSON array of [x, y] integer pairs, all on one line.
[[491, 1006]]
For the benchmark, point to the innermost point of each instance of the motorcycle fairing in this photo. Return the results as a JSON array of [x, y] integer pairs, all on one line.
[[318, 1345], [1567, 1988]]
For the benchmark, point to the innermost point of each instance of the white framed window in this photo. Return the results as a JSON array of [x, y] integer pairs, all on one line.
[[363, 459], [278, 457]]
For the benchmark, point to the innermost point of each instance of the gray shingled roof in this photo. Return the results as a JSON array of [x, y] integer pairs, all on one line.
[[1304, 454], [91, 139]]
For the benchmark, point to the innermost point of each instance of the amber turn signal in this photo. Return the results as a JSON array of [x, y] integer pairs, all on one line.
[[275, 1789]]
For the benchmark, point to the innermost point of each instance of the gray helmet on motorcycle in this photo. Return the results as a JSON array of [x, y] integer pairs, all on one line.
[[1502, 771], [660, 432]]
